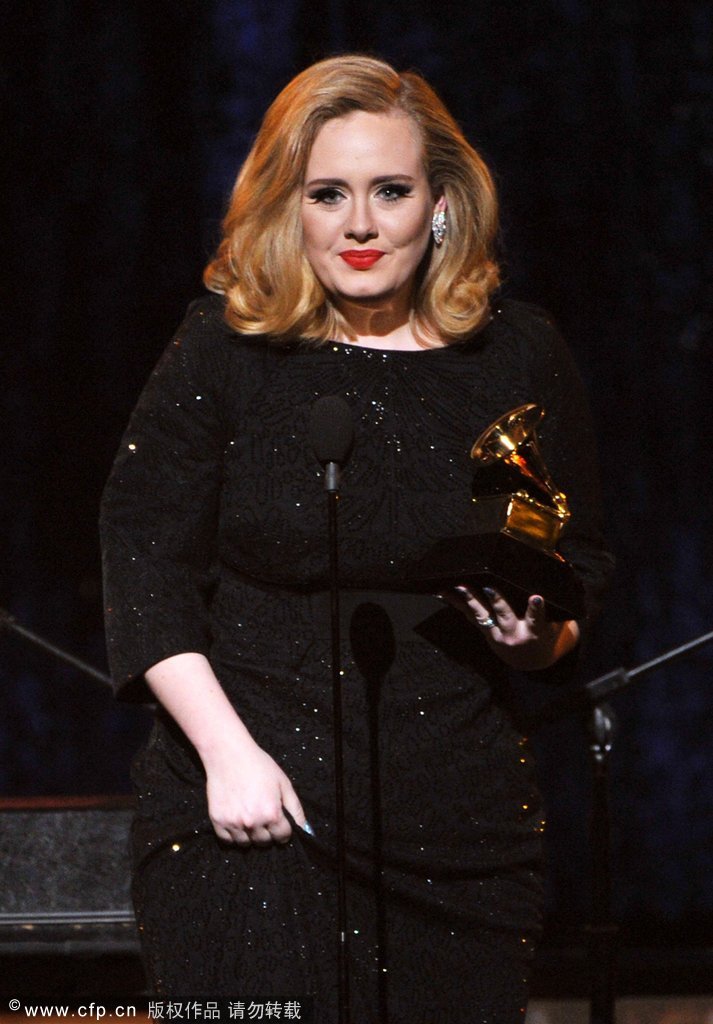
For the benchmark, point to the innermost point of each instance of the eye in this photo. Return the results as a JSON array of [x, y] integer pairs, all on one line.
[[328, 195], [394, 190]]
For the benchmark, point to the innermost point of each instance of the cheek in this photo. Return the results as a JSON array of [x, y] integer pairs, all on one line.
[[413, 248], [313, 232], [413, 232], [316, 248], [309, 233]]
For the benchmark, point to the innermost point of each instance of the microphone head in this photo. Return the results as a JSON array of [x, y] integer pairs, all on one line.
[[331, 429]]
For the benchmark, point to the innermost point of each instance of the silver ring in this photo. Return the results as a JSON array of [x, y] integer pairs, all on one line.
[[487, 623]]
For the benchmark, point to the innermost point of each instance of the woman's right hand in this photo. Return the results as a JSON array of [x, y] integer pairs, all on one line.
[[248, 794]]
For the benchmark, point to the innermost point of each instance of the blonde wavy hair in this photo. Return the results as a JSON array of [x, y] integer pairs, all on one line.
[[260, 265]]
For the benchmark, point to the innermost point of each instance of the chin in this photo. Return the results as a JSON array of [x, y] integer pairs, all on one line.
[[367, 292]]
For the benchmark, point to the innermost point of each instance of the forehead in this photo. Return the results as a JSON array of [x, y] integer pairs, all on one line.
[[362, 139]]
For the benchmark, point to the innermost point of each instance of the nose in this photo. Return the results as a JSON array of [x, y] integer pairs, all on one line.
[[360, 224]]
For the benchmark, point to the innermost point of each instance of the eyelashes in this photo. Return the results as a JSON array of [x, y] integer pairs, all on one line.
[[393, 191], [328, 196], [389, 192]]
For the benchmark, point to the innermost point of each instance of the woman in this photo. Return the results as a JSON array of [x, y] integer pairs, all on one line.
[[357, 261]]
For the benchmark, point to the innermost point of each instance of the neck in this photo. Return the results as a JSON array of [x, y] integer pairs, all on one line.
[[385, 326]]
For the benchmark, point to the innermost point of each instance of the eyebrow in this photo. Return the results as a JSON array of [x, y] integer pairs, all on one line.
[[381, 180]]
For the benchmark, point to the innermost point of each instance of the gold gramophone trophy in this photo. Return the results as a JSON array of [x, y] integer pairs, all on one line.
[[514, 523]]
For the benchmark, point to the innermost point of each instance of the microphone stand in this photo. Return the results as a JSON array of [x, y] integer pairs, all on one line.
[[8, 622], [602, 928], [331, 485]]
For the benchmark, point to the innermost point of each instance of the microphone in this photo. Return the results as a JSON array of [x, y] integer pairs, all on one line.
[[331, 433]]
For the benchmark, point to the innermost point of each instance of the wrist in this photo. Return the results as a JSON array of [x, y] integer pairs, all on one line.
[[228, 745]]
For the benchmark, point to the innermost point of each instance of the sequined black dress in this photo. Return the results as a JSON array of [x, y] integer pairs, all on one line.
[[214, 531]]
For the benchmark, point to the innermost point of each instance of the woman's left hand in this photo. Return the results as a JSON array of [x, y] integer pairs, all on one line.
[[526, 642]]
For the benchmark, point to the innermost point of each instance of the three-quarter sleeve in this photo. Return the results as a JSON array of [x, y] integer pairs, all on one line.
[[568, 446], [159, 510]]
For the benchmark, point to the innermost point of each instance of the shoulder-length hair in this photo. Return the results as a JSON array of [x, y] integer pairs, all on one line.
[[260, 265]]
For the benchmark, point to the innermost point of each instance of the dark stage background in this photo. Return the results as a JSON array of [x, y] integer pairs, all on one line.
[[126, 123]]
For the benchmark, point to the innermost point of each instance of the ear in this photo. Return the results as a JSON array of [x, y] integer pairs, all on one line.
[[441, 204]]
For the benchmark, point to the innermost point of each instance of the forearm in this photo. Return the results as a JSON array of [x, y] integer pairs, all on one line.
[[247, 791], [188, 689]]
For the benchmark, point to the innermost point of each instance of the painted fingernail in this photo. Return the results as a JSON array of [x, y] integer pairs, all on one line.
[[488, 591], [538, 602]]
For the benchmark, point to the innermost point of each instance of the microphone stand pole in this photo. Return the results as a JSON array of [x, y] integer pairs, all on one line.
[[331, 484], [8, 622], [602, 928]]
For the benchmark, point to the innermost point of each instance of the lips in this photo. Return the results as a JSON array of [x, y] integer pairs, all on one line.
[[361, 259]]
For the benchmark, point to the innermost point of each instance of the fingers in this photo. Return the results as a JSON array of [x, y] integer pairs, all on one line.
[[524, 638], [492, 612], [485, 608], [280, 832], [292, 805], [504, 613], [535, 614], [249, 800], [470, 604], [231, 834], [259, 833], [266, 826], [477, 604]]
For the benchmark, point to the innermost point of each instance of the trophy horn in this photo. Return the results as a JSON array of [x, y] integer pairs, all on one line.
[[512, 439]]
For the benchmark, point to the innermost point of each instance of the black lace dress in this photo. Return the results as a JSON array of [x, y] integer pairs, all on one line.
[[214, 532]]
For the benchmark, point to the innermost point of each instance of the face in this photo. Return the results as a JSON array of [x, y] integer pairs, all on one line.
[[367, 208]]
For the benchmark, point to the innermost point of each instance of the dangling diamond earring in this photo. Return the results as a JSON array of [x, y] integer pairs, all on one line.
[[438, 226]]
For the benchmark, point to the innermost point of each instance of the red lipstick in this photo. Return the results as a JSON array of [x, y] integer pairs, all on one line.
[[361, 259]]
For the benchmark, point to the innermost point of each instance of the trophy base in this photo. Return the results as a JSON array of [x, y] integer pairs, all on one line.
[[514, 568]]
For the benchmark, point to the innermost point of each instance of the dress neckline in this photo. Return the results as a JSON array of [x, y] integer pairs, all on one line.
[[351, 345], [410, 353], [398, 353]]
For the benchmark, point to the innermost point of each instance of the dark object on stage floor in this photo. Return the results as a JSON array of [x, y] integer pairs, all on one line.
[[513, 525], [66, 875]]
